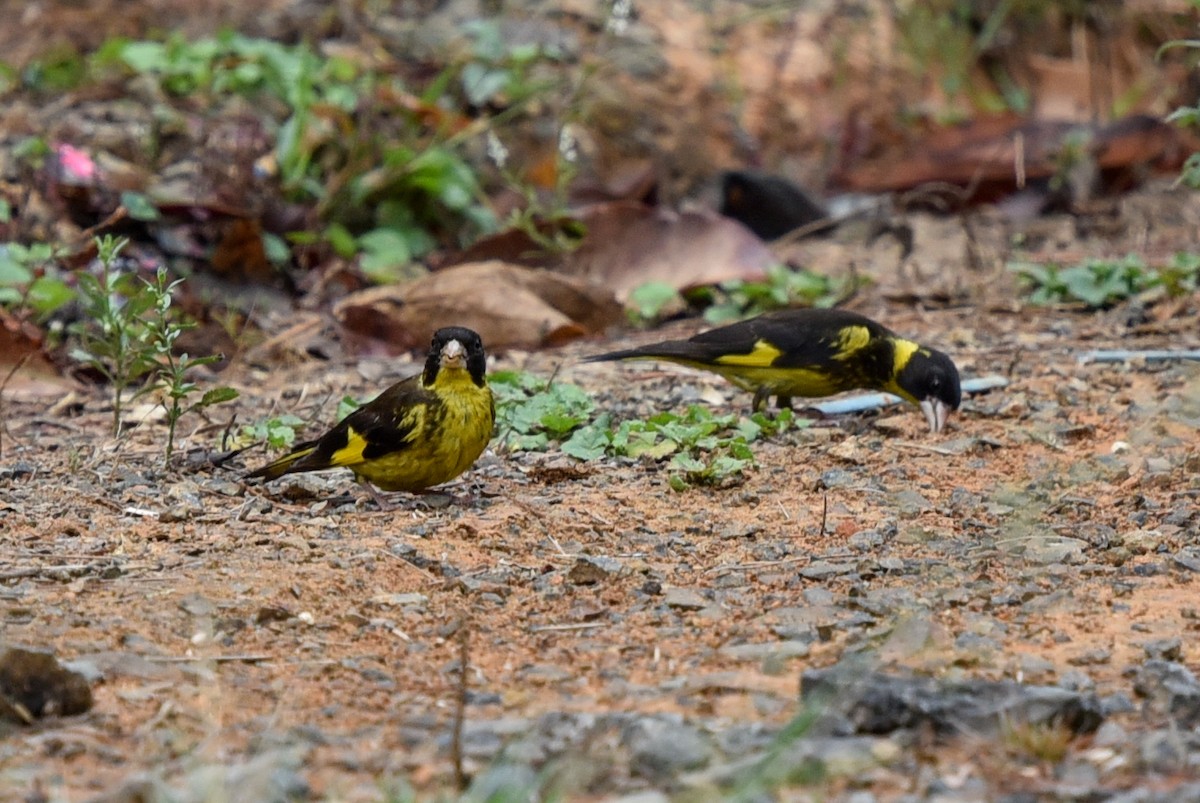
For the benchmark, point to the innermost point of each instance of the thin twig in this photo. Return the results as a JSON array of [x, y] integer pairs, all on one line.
[[567, 626], [924, 447], [757, 564]]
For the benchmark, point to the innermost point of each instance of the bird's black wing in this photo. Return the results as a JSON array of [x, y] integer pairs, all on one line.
[[381, 426]]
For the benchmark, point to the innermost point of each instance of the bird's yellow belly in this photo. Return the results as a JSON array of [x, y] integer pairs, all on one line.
[[445, 447], [784, 381]]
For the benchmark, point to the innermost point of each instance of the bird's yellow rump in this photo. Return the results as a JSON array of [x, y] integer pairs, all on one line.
[[813, 353], [418, 433]]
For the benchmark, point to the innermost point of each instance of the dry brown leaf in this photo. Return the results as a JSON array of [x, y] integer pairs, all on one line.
[[240, 255], [30, 374], [509, 305], [629, 244], [990, 154]]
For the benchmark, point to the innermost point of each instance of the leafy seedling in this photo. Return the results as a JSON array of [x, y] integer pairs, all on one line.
[[702, 448]]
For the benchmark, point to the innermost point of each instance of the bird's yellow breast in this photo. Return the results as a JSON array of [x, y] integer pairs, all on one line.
[[448, 435]]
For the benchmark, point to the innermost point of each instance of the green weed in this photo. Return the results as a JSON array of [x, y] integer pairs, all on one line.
[[127, 334], [112, 333], [277, 433], [1100, 283], [783, 287], [30, 279], [170, 369], [1046, 742], [703, 448], [388, 185]]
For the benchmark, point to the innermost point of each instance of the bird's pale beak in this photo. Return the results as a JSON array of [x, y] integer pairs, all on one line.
[[453, 353], [936, 412]]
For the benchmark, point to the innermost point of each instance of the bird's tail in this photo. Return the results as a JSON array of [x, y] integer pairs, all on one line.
[[679, 350], [283, 465]]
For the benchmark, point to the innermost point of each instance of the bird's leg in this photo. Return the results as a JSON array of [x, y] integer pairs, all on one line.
[[384, 504], [783, 402], [760, 399]]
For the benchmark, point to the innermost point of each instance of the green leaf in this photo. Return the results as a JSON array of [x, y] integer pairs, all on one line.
[[216, 396], [648, 444], [649, 300], [346, 406], [727, 466], [145, 56], [481, 83], [276, 248], [685, 462], [341, 240], [13, 272], [385, 255], [139, 206], [587, 443]]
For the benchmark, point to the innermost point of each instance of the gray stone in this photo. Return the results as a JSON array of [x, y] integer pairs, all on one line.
[[1167, 649], [823, 569], [769, 649], [503, 781], [879, 703], [911, 503], [1055, 549], [1164, 750], [1170, 688], [1139, 542], [197, 605], [1110, 734], [685, 599], [589, 570], [659, 747], [272, 777]]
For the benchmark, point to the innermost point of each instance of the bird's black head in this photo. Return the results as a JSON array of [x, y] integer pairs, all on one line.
[[456, 345], [930, 378]]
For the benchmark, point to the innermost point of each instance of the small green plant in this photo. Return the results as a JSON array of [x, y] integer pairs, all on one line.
[[278, 432], [704, 449], [388, 184], [783, 287], [736, 299], [30, 280], [128, 336], [531, 413], [1040, 741], [544, 217], [171, 370], [501, 72], [112, 332], [1100, 283], [653, 301]]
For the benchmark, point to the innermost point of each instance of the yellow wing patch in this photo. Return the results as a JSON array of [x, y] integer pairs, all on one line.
[[763, 355], [352, 453], [852, 339], [902, 352]]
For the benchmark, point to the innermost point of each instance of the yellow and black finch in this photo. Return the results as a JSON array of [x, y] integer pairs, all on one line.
[[420, 432], [815, 352]]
